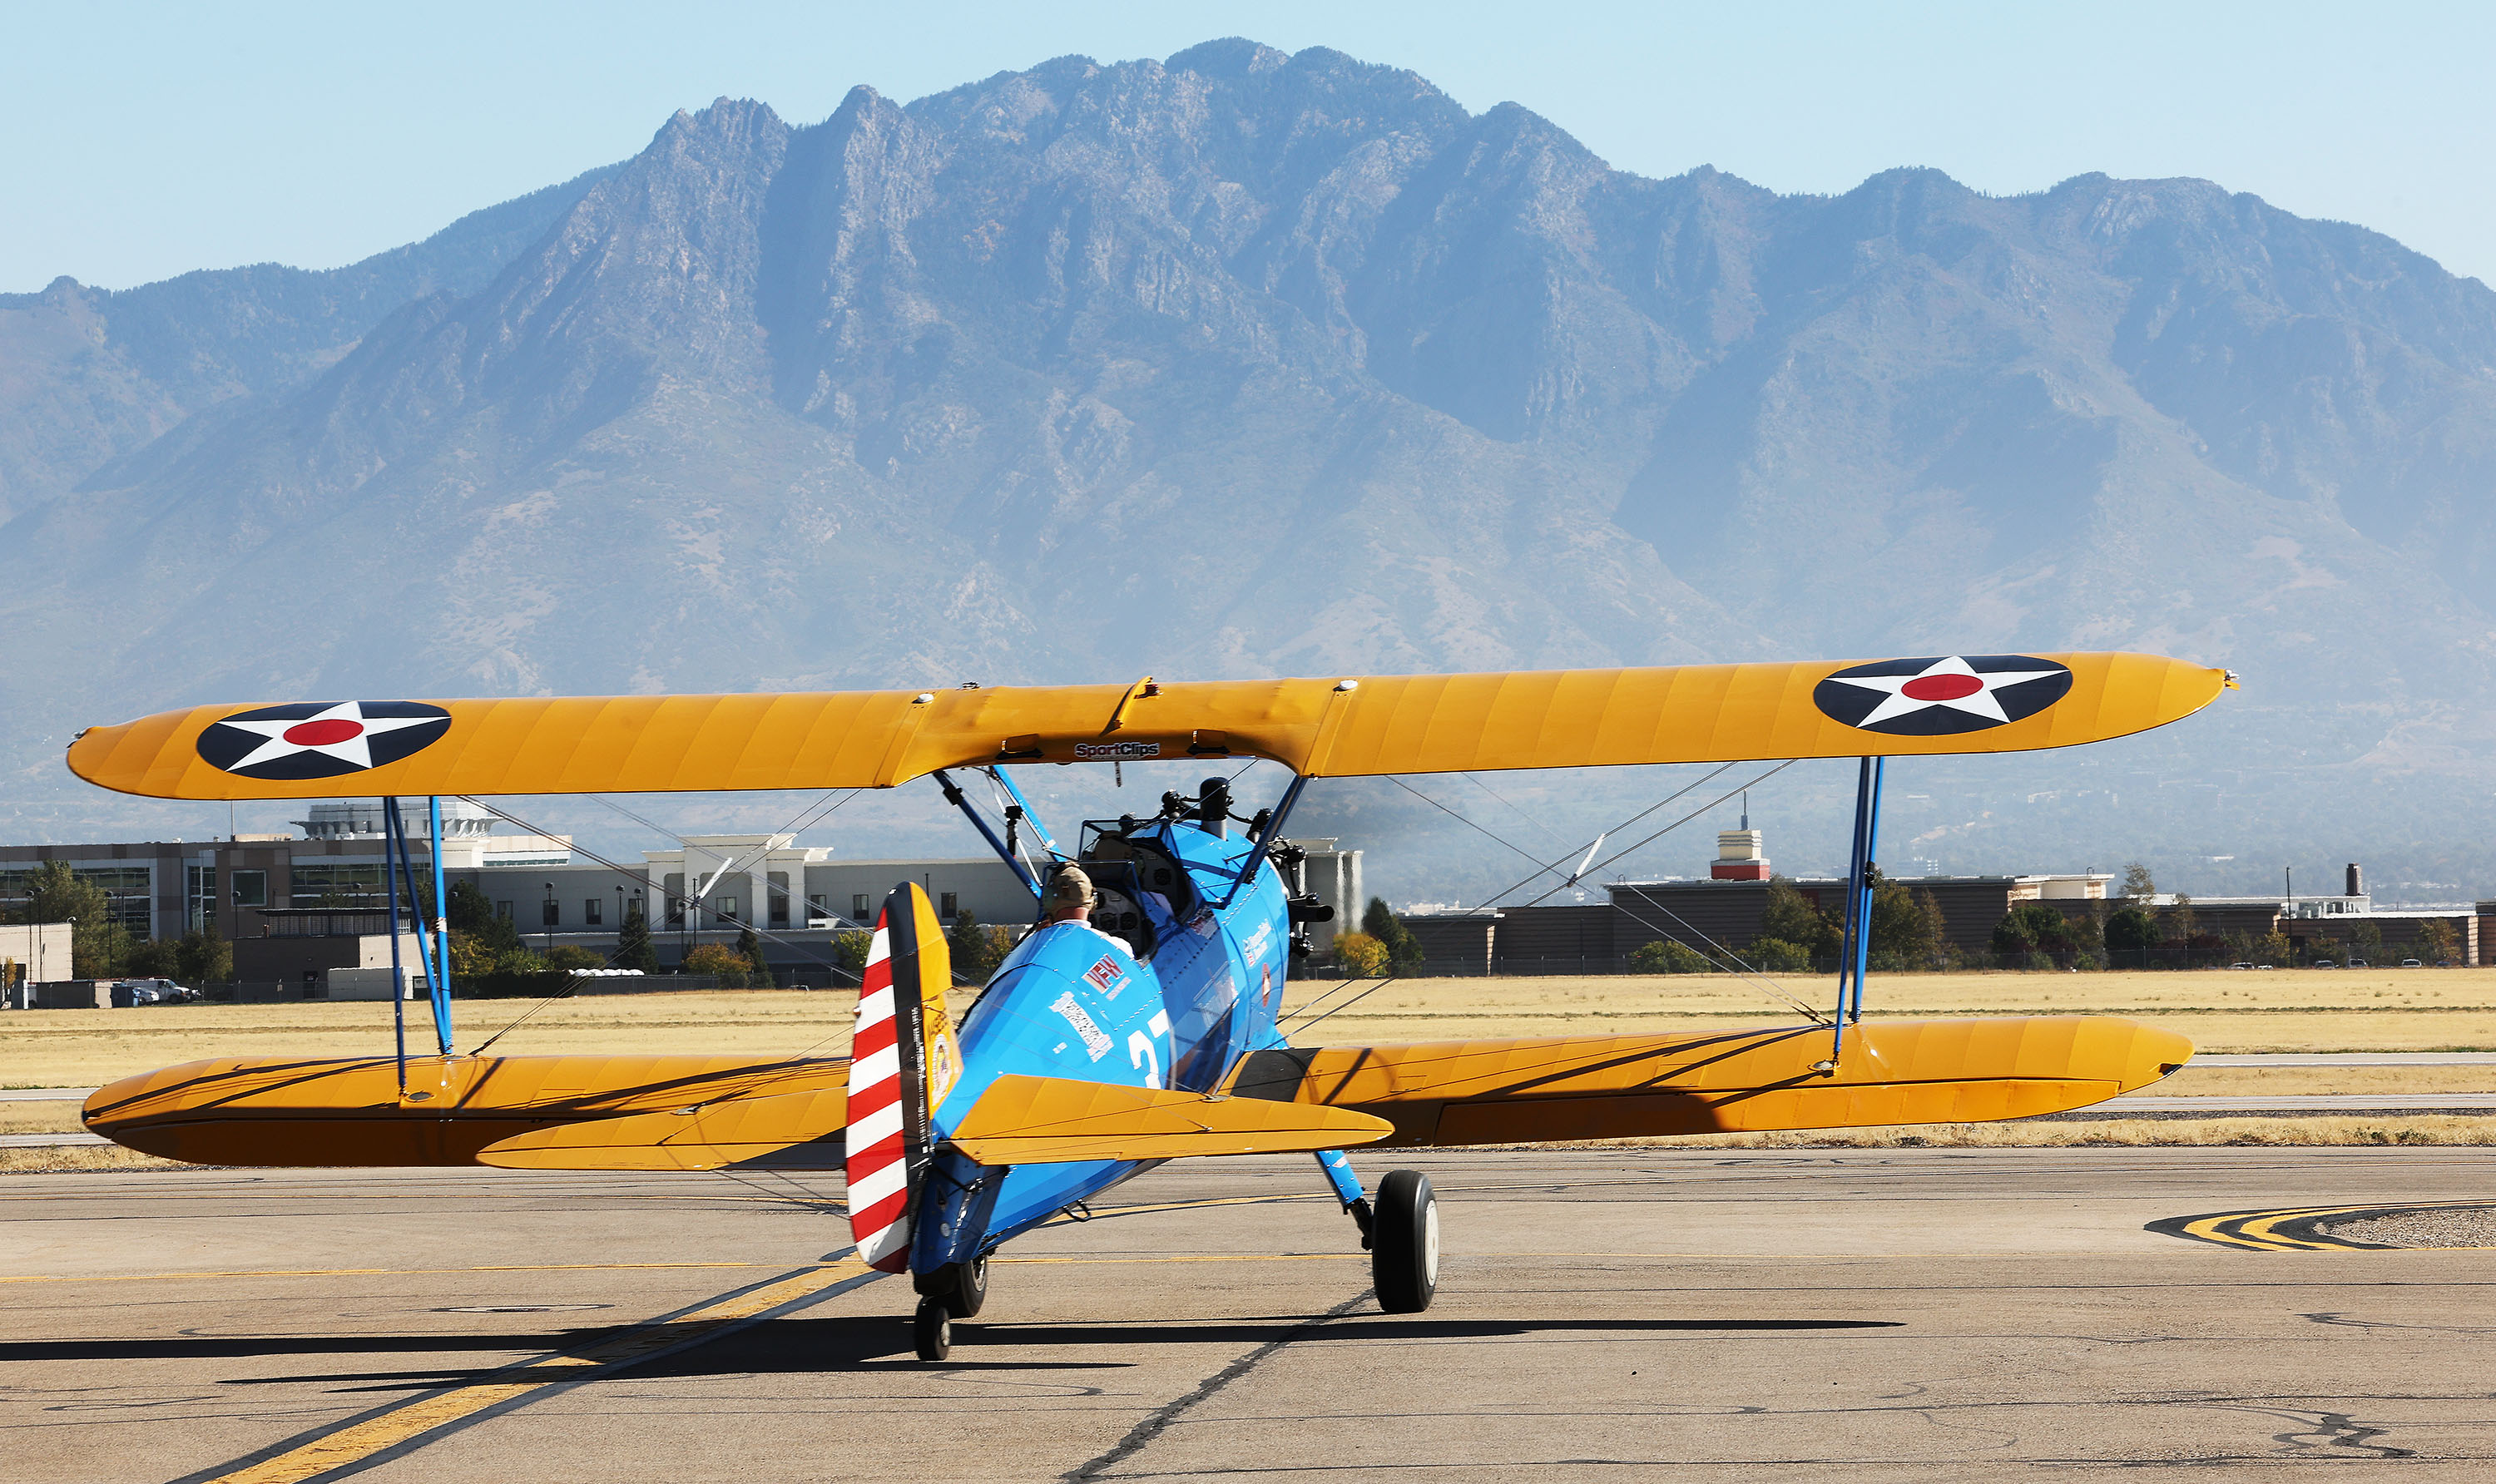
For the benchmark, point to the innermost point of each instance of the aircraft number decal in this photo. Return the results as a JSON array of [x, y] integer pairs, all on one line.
[[1142, 1052]]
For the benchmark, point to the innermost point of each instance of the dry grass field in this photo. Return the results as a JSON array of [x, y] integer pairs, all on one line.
[[2416, 1009], [2285, 1009]]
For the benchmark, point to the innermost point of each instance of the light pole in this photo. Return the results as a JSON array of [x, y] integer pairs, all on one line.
[[547, 916]]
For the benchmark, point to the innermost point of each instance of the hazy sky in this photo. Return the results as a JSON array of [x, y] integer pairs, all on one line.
[[144, 140]]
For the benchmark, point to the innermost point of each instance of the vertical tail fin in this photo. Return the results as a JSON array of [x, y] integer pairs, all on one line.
[[903, 1060]]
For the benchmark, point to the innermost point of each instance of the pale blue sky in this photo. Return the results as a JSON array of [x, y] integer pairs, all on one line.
[[144, 140]]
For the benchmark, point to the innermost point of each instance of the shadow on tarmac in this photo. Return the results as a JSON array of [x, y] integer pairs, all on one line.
[[797, 1345]]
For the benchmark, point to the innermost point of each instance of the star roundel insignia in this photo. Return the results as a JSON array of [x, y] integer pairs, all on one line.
[[1942, 697], [320, 738]]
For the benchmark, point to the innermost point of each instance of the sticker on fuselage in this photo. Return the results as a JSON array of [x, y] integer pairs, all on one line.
[[1257, 942], [1104, 974], [1115, 752], [1094, 1041]]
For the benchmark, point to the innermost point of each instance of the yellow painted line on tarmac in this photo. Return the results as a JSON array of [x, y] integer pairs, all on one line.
[[501, 1267], [410, 1420], [2257, 1231]]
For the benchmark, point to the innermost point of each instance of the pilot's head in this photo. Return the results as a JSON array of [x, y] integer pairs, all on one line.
[[1070, 895]]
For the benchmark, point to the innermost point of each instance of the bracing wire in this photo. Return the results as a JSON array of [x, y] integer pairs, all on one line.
[[1511, 808], [1553, 865], [1340, 1009], [1460, 819], [570, 989], [1717, 954], [1677, 823]]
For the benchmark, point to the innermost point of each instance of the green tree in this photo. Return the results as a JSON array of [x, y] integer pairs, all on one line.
[[1664, 956], [717, 959], [1788, 916], [2138, 886], [153, 959], [571, 955], [2444, 946], [757, 973], [1775, 955], [203, 958], [1403, 950], [2181, 920], [472, 914], [633, 949], [1906, 926], [2034, 927], [2367, 940], [2130, 930], [850, 948], [54, 893], [976, 950]]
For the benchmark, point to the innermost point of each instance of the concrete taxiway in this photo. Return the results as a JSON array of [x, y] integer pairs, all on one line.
[[1917, 1313]]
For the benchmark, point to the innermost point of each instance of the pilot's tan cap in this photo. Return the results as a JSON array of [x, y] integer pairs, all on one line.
[[1069, 887]]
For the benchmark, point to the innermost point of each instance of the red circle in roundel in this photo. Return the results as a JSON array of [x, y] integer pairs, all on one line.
[[324, 733], [1933, 687]]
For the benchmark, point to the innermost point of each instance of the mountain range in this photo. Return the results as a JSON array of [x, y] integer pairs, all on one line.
[[1242, 363]]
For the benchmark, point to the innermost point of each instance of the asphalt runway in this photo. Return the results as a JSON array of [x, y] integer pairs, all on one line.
[[1917, 1313]]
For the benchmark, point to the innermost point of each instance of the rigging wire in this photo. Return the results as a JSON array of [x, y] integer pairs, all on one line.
[[1677, 823], [1512, 808], [1742, 970], [1598, 840], [573, 987], [1346, 1005], [1460, 819]]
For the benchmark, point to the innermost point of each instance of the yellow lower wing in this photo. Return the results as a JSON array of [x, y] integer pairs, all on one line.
[[271, 1111], [1597, 1087], [790, 1130], [1024, 1120]]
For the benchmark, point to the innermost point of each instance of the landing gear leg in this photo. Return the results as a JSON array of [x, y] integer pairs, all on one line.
[[1347, 1189], [1404, 1249]]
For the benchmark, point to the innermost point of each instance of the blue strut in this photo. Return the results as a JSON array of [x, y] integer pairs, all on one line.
[[441, 965], [1856, 949]]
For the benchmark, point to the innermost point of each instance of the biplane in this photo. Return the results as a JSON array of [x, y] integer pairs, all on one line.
[[1143, 1024]]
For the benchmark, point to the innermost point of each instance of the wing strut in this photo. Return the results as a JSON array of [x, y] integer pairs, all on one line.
[[954, 796], [1265, 839], [1854, 950], [432, 949]]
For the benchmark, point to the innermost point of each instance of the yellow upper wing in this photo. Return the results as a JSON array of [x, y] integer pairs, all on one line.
[[1320, 727]]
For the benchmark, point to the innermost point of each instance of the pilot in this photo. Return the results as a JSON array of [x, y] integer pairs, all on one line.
[[1069, 897]]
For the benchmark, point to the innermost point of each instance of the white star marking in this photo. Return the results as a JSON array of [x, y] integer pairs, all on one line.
[[1897, 702], [355, 749]]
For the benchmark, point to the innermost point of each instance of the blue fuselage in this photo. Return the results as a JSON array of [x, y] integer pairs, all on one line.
[[1074, 1001]]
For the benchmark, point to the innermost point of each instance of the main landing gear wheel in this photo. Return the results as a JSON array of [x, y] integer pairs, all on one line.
[[970, 1289], [1404, 1242], [933, 1328], [960, 1286]]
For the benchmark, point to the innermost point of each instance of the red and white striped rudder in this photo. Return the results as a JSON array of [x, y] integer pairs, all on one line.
[[902, 1063]]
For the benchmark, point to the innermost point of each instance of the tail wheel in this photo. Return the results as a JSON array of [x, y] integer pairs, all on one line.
[[1404, 1244], [934, 1329]]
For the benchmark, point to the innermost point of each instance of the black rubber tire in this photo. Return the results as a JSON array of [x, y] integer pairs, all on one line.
[[970, 1289], [1404, 1242], [934, 1329]]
